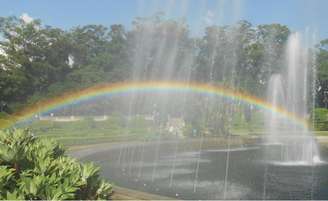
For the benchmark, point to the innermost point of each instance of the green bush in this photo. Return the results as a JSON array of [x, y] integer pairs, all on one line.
[[321, 119], [37, 168]]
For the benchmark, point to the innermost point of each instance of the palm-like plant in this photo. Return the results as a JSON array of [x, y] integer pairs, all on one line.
[[34, 168], [12, 148]]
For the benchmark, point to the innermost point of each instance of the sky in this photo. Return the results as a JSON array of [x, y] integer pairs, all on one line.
[[298, 15]]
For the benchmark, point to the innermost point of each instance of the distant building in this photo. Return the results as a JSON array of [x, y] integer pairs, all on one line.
[[149, 117], [71, 118], [61, 118], [175, 126], [100, 118]]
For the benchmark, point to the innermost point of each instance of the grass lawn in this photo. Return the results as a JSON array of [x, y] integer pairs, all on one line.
[[91, 132], [115, 128], [321, 133]]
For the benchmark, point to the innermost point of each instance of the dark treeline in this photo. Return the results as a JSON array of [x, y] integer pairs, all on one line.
[[38, 61]]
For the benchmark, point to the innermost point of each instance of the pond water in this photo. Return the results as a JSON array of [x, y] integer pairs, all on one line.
[[177, 170]]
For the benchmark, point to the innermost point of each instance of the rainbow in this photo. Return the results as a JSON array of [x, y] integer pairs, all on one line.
[[149, 86]]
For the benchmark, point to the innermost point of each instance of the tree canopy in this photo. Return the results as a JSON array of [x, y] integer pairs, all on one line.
[[38, 61]]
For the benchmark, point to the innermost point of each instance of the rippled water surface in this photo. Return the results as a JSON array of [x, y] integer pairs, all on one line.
[[178, 170]]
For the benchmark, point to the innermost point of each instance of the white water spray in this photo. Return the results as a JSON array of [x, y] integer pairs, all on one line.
[[295, 144]]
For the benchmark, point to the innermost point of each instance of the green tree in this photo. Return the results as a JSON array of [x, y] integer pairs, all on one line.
[[34, 57], [322, 73], [158, 48]]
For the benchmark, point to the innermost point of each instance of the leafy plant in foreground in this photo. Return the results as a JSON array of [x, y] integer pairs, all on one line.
[[34, 168]]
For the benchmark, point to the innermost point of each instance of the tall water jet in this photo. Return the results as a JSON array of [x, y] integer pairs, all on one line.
[[294, 143], [276, 96]]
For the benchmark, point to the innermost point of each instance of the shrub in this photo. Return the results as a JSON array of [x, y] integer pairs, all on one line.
[[6, 120], [37, 168], [321, 119]]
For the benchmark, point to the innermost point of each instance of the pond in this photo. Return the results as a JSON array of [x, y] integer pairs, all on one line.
[[177, 169]]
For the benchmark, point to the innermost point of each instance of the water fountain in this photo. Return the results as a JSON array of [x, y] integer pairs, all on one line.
[[294, 144], [215, 165]]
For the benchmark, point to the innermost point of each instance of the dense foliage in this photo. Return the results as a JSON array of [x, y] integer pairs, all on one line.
[[38, 60], [322, 66], [321, 119], [33, 168]]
